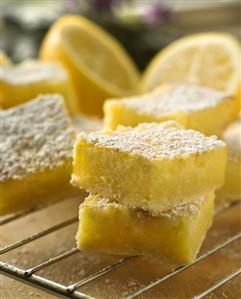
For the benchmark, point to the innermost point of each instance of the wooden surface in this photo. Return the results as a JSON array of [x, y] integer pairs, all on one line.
[[124, 280]]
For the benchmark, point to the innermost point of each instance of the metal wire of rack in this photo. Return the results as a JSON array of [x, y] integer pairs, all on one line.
[[31, 277]]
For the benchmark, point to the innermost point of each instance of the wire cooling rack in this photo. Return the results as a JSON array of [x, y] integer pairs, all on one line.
[[33, 277]]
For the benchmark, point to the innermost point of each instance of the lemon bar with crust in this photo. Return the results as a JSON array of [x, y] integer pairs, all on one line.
[[152, 166], [199, 108], [175, 235], [36, 154], [231, 191], [23, 82]]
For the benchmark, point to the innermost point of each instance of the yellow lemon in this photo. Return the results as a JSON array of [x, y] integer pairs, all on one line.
[[99, 66], [4, 59], [208, 59]]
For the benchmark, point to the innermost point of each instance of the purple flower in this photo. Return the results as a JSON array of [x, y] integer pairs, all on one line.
[[156, 14], [103, 5], [71, 6]]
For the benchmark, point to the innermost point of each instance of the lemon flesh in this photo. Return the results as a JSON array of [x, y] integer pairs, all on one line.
[[98, 65], [207, 59]]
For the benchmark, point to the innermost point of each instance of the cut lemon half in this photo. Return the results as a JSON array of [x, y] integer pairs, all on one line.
[[99, 66], [208, 59]]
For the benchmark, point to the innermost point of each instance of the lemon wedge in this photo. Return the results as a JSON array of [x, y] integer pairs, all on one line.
[[99, 66], [208, 59]]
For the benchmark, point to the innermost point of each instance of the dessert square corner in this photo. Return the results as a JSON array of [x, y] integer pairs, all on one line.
[[36, 153]]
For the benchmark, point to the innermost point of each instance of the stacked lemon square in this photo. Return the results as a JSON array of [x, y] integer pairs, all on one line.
[[152, 189], [200, 108], [36, 154]]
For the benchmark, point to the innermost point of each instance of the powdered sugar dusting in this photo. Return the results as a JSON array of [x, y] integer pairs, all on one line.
[[84, 123], [175, 98], [155, 141], [184, 209], [179, 210], [33, 71], [34, 136]]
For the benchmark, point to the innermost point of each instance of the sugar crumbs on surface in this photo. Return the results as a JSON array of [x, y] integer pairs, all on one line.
[[184, 209], [181, 210], [100, 202], [155, 141], [35, 136], [177, 97]]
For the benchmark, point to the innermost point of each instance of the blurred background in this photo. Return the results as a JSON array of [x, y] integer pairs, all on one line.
[[143, 26]]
